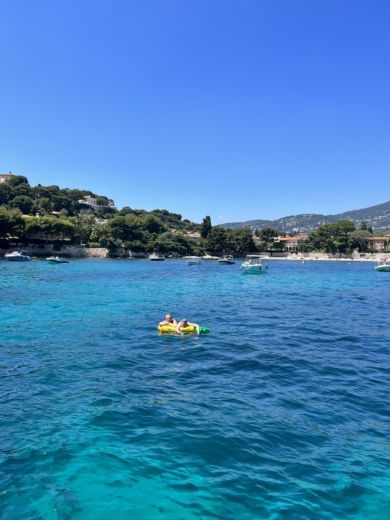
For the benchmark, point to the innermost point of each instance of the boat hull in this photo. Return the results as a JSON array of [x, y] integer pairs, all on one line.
[[226, 262], [19, 259], [382, 268], [253, 269]]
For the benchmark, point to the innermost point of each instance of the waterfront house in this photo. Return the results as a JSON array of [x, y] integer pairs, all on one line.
[[378, 243], [292, 244]]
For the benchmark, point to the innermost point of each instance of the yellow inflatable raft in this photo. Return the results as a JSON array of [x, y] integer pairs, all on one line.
[[170, 329]]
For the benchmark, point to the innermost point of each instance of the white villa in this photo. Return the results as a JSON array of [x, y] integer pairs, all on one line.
[[88, 200]]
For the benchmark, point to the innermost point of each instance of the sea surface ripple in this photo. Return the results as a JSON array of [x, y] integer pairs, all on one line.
[[281, 412]]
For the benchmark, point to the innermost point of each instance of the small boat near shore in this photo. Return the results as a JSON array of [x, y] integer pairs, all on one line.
[[17, 256], [155, 257], [383, 267], [254, 264], [193, 260], [57, 260], [226, 259]]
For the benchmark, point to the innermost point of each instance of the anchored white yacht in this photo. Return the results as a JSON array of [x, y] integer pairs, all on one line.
[[254, 264], [156, 257], [226, 259], [383, 267], [17, 256], [57, 260]]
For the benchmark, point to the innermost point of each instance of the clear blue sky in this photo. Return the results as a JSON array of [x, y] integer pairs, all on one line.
[[238, 109]]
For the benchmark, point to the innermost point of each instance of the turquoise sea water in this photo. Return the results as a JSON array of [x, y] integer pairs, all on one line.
[[281, 412]]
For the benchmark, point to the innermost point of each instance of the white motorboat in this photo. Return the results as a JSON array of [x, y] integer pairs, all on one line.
[[383, 267], [193, 260], [17, 256], [254, 264], [226, 259], [155, 257], [57, 260]]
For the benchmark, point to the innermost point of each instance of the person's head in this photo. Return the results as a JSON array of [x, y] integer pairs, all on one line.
[[168, 317], [184, 322]]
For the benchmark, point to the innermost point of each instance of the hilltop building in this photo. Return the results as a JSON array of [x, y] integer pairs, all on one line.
[[88, 200], [5, 177]]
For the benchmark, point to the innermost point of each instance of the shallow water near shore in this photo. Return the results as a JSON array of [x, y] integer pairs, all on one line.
[[281, 412]]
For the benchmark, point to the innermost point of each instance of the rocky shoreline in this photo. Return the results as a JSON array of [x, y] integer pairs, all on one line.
[[70, 251], [80, 251]]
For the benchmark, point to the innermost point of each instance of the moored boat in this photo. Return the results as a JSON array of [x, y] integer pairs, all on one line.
[[155, 257], [193, 260], [383, 267], [57, 260], [254, 264], [17, 256], [226, 259]]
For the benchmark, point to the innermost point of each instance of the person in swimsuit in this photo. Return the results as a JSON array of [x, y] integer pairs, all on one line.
[[185, 323], [169, 320]]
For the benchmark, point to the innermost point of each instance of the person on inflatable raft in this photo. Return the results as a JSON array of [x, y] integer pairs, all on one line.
[[169, 320], [184, 324], [170, 325]]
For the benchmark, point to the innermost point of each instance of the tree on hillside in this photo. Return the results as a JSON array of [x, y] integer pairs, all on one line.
[[120, 229], [205, 227], [5, 193], [268, 233], [85, 224], [240, 241], [43, 205], [17, 180], [171, 244], [216, 241], [11, 223], [125, 228], [333, 238], [51, 228], [23, 203], [365, 227], [152, 224], [173, 220], [359, 239], [127, 211]]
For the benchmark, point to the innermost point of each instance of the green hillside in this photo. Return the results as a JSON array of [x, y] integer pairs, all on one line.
[[43, 214]]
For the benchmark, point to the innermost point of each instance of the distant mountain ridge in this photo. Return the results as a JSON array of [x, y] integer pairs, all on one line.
[[378, 217]]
